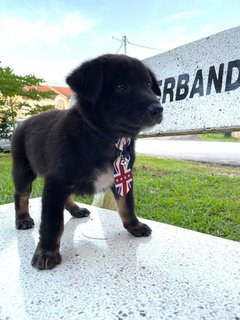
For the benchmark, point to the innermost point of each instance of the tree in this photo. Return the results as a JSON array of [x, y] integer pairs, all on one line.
[[19, 94]]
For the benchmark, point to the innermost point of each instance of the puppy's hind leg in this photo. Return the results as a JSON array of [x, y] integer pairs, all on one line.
[[23, 177], [75, 210]]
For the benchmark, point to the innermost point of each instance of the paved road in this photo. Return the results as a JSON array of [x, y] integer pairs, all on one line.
[[227, 153]]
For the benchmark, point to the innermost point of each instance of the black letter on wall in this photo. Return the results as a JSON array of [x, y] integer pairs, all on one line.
[[213, 78], [229, 84], [182, 86], [198, 84], [168, 89]]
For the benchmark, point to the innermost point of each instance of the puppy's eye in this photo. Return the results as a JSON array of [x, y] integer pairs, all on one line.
[[121, 87], [149, 84]]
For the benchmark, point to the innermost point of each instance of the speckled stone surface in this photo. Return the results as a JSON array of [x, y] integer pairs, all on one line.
[[108, 274], [202, 112]]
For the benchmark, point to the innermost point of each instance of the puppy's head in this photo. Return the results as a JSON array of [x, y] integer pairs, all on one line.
[[117, 94]]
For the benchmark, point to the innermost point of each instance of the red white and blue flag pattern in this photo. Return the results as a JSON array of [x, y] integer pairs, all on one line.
[[122, 169]]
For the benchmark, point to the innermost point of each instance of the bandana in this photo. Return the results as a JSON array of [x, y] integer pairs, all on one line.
[[122, 169]]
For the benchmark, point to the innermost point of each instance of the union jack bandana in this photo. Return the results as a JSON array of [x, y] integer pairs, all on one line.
[[122, 169]]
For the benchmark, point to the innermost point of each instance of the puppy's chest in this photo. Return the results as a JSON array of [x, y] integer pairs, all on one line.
[[103, 178]]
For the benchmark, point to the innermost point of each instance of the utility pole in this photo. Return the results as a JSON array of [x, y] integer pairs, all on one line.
[[125, 44]]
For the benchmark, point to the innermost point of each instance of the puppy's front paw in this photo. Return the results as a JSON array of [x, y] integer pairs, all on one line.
[[45, 259], [139, 230]]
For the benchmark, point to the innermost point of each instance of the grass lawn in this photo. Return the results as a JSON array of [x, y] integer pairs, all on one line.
[[199, 197], [216, 137]]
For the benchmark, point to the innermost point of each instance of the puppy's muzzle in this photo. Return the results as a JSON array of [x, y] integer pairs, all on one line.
[[155, 110]]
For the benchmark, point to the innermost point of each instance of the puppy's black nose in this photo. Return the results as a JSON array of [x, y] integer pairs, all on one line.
[[155, 109]]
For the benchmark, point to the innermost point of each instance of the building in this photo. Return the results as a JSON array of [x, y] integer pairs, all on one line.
[[61, 100], [236, 134]]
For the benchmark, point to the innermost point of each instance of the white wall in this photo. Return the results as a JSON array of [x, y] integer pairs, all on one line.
[[200, 84]]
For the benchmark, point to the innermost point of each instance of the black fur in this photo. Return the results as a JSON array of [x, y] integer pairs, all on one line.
[[71, 149]]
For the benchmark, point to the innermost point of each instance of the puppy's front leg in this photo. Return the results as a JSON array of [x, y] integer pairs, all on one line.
[[47, 254], [129, 219]]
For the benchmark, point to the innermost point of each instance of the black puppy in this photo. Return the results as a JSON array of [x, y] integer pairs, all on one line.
[[85, 149]]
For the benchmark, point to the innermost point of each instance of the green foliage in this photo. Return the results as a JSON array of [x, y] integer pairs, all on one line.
[[12, 87], [6, 128], [30, 110]]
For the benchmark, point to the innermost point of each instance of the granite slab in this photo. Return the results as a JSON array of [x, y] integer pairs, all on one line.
[[106, 273]]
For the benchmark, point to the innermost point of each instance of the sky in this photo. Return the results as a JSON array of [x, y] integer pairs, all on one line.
[[49, 38]]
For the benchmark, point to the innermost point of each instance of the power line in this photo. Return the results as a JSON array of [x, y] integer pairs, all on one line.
[[125, 41], [139, 45]]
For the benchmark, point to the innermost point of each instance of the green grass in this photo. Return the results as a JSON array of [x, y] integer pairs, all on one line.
[[199, 197], [216, 137]]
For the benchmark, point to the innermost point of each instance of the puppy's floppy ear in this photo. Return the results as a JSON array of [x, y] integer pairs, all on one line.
[[155, 86], [87, 80]]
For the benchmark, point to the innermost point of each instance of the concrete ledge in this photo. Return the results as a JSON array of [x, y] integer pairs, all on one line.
[[108, 274]]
